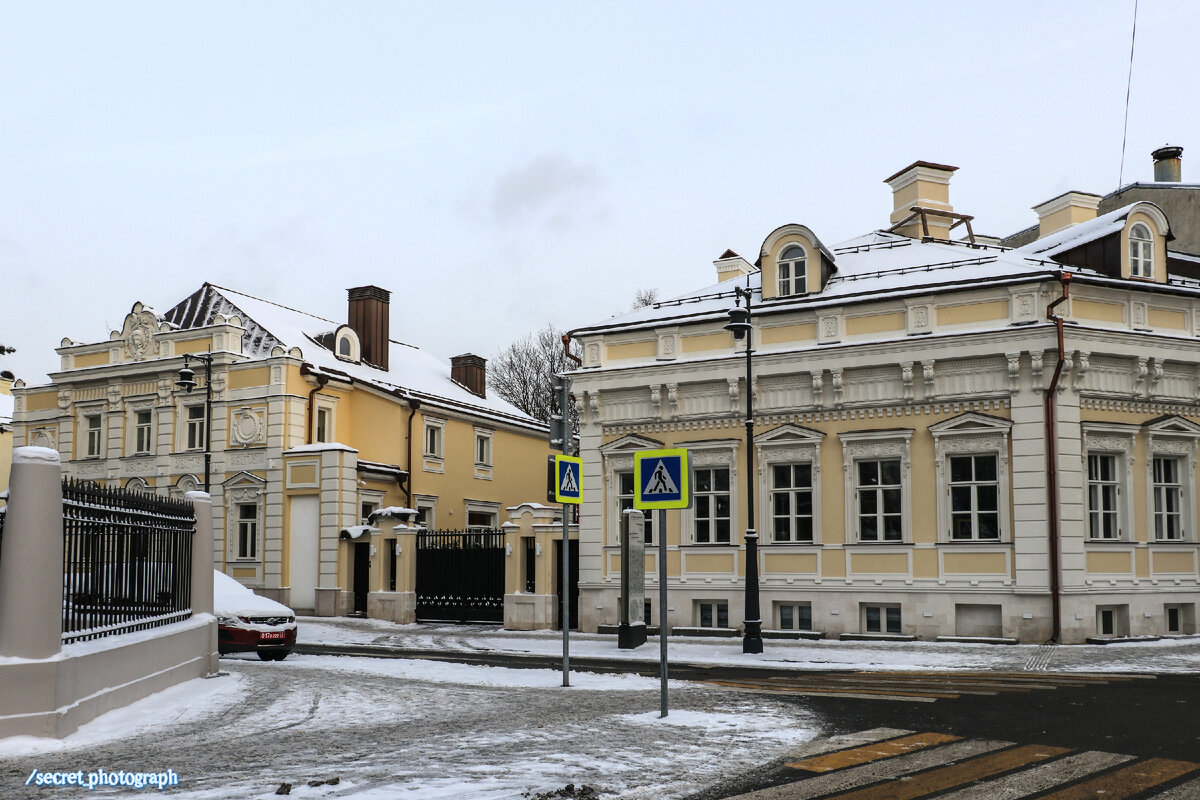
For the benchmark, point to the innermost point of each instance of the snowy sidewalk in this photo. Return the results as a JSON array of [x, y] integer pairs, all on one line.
[[1178, 655]]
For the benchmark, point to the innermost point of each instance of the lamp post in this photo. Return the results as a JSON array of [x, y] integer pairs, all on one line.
[[739, 326], [187, 382]]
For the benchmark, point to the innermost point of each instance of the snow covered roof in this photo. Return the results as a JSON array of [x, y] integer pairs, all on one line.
[[269, 325], [1076, 235], [867, 266]]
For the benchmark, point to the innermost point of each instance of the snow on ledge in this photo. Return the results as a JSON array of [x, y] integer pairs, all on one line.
[[320, 447]]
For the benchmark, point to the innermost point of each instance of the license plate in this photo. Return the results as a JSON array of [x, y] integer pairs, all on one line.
[[272, 635]]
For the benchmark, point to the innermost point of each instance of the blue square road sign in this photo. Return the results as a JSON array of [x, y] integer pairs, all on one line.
[[662, 479]]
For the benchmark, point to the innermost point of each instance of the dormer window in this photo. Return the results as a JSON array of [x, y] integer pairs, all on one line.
[[1141, 252], [346, 345], [792, 273]]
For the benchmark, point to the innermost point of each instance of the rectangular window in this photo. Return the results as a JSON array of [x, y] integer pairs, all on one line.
[[974, 497], [791, 503], [794, 616], [195, 428], [368, 508], [481, 519], [433, 440], [94, 437], [322, 434], [1108, 624], [142, 428], [1174, 619], [247, 530], [530, 550], [881, 618], [425, 516], [1103, 489], [1168, 495], [483, 449], [390, 548], [625, 495], [878, 501], [710, 498], [713, 614]]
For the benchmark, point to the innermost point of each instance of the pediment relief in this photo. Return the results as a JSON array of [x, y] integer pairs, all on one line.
[[1172, 426], [630, 443], [789, 434], [141, 323], [971, 423]]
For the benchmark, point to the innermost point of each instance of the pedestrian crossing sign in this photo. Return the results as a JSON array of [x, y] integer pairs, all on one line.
[[662, 479], [567, 470]]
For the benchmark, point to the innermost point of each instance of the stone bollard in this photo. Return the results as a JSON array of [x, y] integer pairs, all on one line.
[[31, 557]]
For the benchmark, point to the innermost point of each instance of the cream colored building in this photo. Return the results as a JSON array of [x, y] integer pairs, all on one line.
[[315, 424], [902, 382], [6, 445]]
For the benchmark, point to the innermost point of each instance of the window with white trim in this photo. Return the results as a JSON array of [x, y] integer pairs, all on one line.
[[483, 448], [877, 490], [247, 530], [881, 618], [878, 500], [1104, 490], [426, 508], [1168, 498], [93, 426], [971, 461], [195, 420], [625, 495], [323, 425], [1141, 252], [482, 514], [711, 505], [792, 502], [793, 616], [790, 268], [712, 613], [974, 497], [143, 430], [434, 431]]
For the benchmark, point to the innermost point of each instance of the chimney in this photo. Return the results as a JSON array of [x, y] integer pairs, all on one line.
[[1069, 208], [731, 265], [370, 320], [471, 371], [1167, 164], [922, 184]]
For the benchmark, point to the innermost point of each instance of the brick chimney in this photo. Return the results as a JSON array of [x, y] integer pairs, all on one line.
[[1168, 162], [370, 319], [922, 184], [471, 371]]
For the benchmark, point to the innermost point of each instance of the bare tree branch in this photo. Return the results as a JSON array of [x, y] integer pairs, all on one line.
[[520, 373], [645, 297]]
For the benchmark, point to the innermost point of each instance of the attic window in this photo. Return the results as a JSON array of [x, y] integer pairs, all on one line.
[[1141, 252], [346, 345], [792, 275]]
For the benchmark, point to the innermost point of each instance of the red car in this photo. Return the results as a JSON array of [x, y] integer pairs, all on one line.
[[250, 623]]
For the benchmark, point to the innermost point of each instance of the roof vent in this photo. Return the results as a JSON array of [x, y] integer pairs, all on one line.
[[471, 371], [1167, 164], [730, 265], [370, 319], [1069, 208]]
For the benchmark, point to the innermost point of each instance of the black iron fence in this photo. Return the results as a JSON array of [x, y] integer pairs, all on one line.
[[460, 576], [127, 561]]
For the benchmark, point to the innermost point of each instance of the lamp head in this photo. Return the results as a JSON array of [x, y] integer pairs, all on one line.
[[187, 379], [739, 322]]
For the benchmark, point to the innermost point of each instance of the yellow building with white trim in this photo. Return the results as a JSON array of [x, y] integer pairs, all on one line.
[[902, 383], [315, 425]]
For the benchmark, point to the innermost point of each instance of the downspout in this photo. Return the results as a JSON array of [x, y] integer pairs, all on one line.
[[321, 379], [413, 405], [566, 340], [1064, 278]]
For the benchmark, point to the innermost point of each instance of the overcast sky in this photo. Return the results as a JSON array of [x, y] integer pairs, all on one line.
[[500, 166]]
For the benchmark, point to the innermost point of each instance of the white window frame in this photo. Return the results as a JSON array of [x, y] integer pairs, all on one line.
[[345, 334], [712, 454], [369, 497], [796, 609], [794, 284], [433, 457], [244, 522], [1169, 523], [617, 457], [134, 430], [244, 489], [327, 407], [858, 446], [972, 434], [1116, 440], [787, 445], [481, 507], [1141, 251], [92, 437], [620, 506], [193, 425], [1172, 437], [715, 607], [428, 504], [484, 452]]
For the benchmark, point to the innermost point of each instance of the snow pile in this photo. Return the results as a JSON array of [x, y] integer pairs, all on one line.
[[232, 599]]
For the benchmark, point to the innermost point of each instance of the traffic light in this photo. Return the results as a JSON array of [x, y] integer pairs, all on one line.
[[562, 433]]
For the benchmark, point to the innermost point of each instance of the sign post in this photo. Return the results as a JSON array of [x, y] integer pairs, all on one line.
[[567, 490], [662, 479]]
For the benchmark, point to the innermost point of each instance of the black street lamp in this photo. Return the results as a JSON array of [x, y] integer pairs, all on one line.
[[739, 326], [187, 382]]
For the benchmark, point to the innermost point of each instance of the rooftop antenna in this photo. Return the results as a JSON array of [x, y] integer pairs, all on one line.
[[1128, 85]]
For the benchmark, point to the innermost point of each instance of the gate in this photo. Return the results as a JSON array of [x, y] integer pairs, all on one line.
[[460, 576]]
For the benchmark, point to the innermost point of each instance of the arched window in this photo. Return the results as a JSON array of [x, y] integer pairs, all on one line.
[[345, 347], [1141, 252], [792, 275]]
